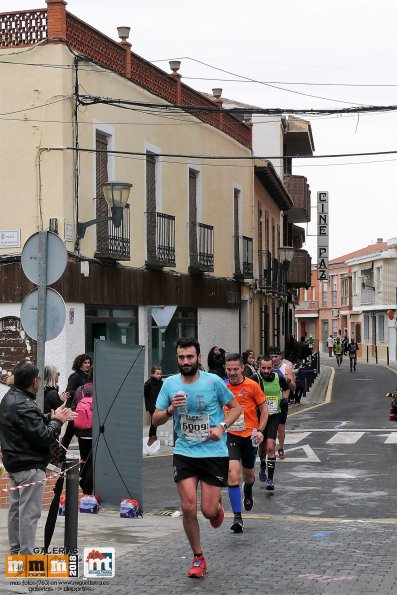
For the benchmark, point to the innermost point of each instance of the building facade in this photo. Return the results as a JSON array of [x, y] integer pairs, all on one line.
[[359, 299]]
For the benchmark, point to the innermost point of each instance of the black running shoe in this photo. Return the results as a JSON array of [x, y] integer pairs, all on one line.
[[237, 525]]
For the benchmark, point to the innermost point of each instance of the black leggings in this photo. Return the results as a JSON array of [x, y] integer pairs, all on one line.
[[152, 429]]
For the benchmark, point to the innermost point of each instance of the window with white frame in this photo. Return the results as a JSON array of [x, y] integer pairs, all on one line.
[[366, 327], [381, 327], [378, 278], [354, 283]]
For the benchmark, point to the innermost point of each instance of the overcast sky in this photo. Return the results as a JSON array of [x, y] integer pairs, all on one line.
[[329, 45]]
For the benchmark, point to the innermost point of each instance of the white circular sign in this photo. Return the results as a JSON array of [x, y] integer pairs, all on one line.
[[55, 314]]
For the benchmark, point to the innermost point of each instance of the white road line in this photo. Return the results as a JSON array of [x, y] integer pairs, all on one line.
[[391, 430], [310, 457], [391, 439], [296, 437], [325, 475], [345, 438]]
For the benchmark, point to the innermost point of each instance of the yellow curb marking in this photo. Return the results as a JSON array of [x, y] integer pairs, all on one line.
[[328, 397], [305, 519]]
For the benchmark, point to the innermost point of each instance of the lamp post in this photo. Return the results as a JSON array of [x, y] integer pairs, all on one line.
[[116, 195], [286, 255]]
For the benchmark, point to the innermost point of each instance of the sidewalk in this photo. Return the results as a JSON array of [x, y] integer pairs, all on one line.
[[279, 554]]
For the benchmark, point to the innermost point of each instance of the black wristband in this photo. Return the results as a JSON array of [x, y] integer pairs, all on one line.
[[261, 431], [168, 413]]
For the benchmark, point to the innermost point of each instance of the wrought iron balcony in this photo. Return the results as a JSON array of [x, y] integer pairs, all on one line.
[[201, 246], [243, 257], [265, 270], [113, 243], [160, 240]]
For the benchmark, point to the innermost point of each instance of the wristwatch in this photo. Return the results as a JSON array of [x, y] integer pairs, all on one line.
[[168, 413], [261, 431], [224, 426]]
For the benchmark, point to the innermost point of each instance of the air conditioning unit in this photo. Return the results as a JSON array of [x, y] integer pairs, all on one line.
[[335, 311]]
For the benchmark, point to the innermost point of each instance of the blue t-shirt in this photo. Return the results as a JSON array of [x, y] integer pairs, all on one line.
[[207, 395]]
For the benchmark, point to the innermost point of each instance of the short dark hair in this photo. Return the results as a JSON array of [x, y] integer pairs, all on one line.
[[78, 361], [266, 358], [184, 342], [234, 357], [24, 375], [154, 368], [273, 350]]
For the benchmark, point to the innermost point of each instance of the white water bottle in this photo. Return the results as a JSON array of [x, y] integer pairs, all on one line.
[[254, 437], [183, 409]]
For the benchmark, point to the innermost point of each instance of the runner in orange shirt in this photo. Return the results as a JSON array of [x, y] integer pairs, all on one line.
[[242, 452]]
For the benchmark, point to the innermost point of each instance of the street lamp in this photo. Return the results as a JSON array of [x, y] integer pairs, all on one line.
[[116, 195], [286, 255]]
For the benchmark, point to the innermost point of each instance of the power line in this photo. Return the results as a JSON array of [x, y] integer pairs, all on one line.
[[232, 157], [358, 109]]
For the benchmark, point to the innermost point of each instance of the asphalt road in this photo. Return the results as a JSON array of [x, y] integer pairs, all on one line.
[[340, 457]]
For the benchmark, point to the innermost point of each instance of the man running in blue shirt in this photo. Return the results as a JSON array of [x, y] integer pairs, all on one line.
[[200, 453]]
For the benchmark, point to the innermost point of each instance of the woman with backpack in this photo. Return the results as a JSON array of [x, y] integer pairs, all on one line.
[[82, 405]]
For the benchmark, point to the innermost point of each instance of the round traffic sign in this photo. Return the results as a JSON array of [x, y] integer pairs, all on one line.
[[55, 314], [57, 257]]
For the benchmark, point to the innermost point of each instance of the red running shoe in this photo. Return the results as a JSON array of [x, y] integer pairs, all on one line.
[[218, 519], [199, 568], [281, 453]]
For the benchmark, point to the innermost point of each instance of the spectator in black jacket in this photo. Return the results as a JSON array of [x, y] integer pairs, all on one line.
[[82, 373], [216, 361], [151, 390], [52, 398], [26, 435]]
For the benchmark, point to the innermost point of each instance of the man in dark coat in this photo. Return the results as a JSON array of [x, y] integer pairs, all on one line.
[[26, 435], [151, 390]]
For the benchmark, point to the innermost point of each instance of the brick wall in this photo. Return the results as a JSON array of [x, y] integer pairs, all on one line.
[[48, 490]]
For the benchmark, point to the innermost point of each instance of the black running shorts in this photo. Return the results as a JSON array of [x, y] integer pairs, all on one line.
[[211, 470], [272, 426], [284, 411], [241, 449]]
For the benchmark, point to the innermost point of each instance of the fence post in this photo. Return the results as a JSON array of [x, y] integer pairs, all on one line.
[[387, 355], [376, 354], [367, 353]]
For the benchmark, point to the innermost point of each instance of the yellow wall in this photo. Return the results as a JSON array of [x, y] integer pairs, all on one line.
[[24, 185]]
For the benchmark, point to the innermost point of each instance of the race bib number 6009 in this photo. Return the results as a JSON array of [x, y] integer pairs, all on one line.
[[195, 427]]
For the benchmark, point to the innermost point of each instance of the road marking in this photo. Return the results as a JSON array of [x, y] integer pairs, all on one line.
[[388, 430], [323, 475], [310, 457], [391, 439], [296, 437], [345, 438], [312, 519]]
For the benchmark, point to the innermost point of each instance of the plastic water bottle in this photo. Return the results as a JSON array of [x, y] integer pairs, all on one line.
[[183, 409], [254, 437]]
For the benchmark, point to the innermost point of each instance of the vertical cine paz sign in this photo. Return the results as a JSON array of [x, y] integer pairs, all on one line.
[[322, 236]]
